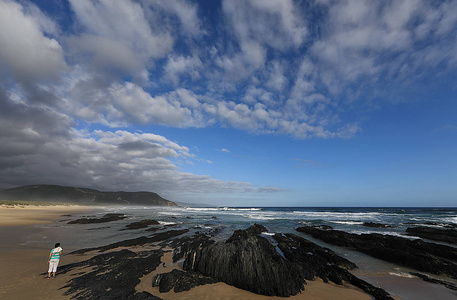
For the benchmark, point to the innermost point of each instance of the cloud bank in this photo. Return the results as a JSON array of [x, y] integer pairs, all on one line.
[[272, 67]]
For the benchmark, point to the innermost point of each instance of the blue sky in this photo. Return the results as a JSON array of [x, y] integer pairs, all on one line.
[[241, 103]]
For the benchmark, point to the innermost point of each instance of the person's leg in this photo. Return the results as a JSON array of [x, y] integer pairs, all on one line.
[[50, 269], [54, 268]]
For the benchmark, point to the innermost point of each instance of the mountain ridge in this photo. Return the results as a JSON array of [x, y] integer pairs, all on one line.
[[84, 196]]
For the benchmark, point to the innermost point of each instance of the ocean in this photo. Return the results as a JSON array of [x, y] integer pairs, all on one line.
[[395, 279]]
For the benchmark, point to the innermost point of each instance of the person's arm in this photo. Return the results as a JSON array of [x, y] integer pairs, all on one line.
[[49, 259]]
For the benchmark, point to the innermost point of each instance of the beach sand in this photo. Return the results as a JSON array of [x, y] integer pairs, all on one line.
[[21, 267], [14, 215]]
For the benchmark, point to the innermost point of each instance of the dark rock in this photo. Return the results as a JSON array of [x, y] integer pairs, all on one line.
[[106, 218], [183, 246], [446, 225], [144, 296], [152, 229], [180, 281], [416, 254], [136, 242], [436, 234], [424, 277], [98, 228], [376, 225], [324, 227], [312, 260], [142, 224], [315, 261], [434, 224], [112, 276], [249, 262]]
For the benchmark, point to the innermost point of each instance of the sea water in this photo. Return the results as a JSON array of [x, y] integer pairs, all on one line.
[[396, 280]]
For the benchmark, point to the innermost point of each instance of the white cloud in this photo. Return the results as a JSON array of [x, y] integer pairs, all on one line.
[[179, 65], [42, 145], [373, 38], [26, 52], [256, 27], [185, 11], [118, 35]]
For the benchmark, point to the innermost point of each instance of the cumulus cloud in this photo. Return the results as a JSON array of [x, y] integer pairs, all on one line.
[[375, 38], [41, 144], [186, 12], [257, 27], [117, 36], [268, 67], [27, 52]]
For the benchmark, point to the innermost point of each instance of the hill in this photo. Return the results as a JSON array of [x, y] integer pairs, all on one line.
[[82, 196]]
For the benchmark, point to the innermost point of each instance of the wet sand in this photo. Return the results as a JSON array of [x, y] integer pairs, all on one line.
[[22, 267], [14, 215]]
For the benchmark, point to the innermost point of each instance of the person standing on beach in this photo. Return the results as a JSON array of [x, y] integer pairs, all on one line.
[[53, 261]]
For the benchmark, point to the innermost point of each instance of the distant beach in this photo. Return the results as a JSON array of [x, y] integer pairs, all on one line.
[[29, 232]]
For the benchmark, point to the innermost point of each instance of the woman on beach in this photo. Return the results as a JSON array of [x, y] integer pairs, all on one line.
[[53, 260]]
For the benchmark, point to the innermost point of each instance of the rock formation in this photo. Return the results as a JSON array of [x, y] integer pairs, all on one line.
[[416, 254]]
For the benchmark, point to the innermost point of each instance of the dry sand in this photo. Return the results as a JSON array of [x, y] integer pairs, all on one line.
[[21, 268]]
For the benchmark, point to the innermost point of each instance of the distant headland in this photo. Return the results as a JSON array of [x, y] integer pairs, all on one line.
[[82, 196]]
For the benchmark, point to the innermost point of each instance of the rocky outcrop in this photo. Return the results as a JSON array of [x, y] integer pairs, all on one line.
[[376, 225], [247, 261], [105, 219], [161, 236], [180, 281], [417, 254], [114, 275], [315, 261], [273, 265], [436, 234], [142, 224]]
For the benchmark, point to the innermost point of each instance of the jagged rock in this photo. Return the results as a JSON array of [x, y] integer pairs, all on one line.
[[106, 218], [376, 225], [135, 242], [249, 262], [114, 275], [142, 224], [416, 254], [183, 246], [436, 234], [180, 281], [312, 260], [315, 261]]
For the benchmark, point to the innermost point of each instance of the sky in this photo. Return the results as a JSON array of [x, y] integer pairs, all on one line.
[[233, 103]]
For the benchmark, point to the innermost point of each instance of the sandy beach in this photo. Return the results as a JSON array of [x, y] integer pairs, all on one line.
[[22, 266]]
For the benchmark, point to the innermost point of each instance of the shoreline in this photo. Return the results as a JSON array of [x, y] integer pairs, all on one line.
[[20, 277], [20, 214]]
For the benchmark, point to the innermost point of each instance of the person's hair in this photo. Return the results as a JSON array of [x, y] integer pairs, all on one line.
[[57, 245]]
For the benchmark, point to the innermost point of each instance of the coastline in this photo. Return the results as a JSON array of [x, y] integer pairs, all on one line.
[[16, 215], [21, 277]]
